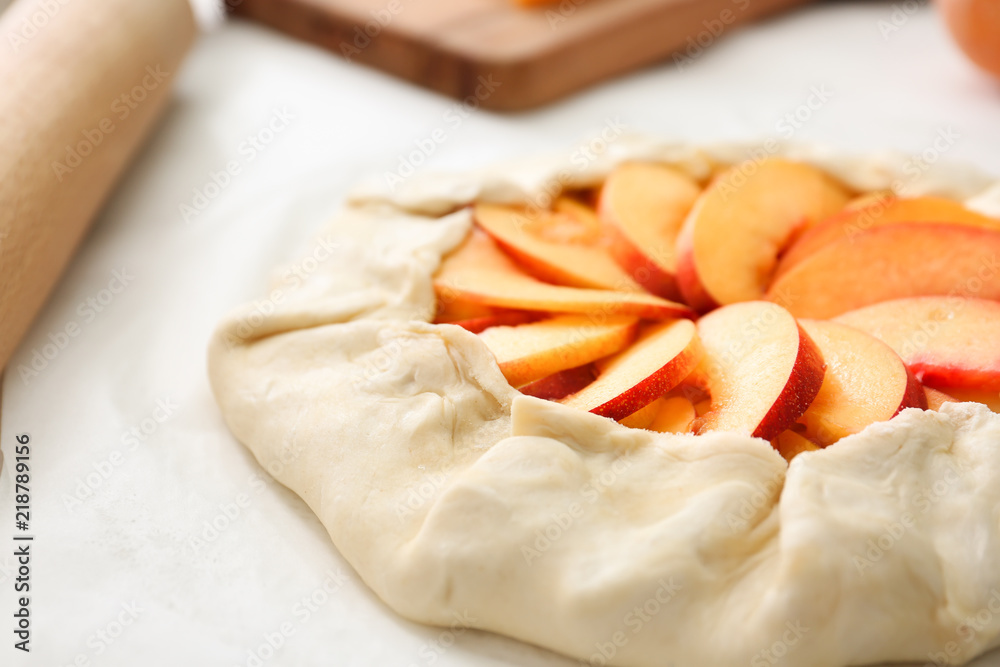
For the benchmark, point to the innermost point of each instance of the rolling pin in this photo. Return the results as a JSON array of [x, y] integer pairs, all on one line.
[[82, 83]]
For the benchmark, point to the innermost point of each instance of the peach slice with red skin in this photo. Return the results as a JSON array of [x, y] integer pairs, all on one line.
[[562, 384], [883, 211], [561, 263], [891, 261], [865, 382], [642, 206], [499, 319], [760, 368], [479, 272], [763, 369], [662, 356], [730, 242], [947, 341], [477, 317], [532, 351]]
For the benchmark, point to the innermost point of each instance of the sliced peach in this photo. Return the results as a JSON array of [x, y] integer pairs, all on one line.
[[947, 341], [661, 357], [643, 206], [730, 242], [790, 444], [935, 398], [533, 3], [865, 382], [675, 414], [455, 310], [500, 319], [530, 352], [563, 225], [572, 265], [990, 399], [480, 272], [883, 211], [579, 212], [761, 369], [892, 261], [476, 316], [870, 199], [644, 416], [562, 384], [692, 388]]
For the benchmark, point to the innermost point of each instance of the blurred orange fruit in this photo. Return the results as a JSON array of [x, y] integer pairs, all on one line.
[[975, 25]]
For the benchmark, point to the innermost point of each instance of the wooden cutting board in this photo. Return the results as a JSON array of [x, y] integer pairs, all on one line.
[[503, 56]]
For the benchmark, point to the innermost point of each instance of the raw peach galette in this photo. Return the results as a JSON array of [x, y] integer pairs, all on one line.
[[696, 410], [771, 301]]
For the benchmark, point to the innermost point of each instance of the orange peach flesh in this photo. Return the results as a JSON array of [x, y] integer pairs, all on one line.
[[580, 213], [935, 398], [644, 416], [451, 309], [891, 261], [676, 415], [865, 382], [990, 399], [790, 444], [850, 223], [569, 264], [530, 352], [730, 242]]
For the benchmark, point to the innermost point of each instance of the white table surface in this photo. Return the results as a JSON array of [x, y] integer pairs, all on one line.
[[125, 553]]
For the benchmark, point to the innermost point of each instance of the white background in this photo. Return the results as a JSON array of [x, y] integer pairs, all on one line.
[[130, 543]]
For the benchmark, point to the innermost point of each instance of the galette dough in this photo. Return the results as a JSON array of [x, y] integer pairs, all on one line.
[[460, 501]]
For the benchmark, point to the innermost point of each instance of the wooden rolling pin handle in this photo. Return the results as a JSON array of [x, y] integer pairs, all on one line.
[[83, 81]]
